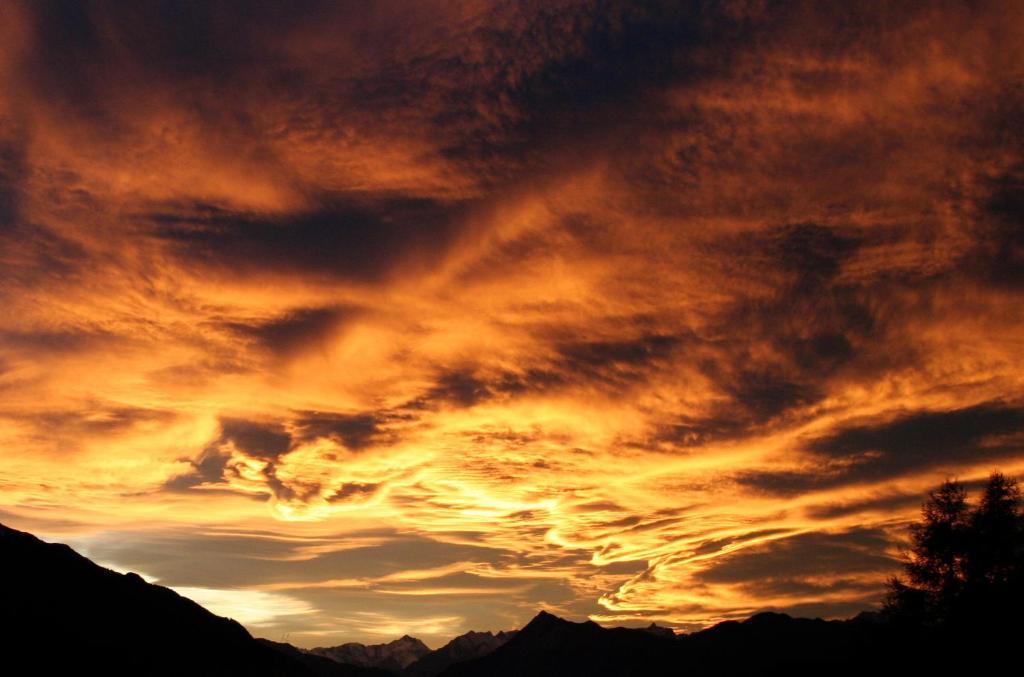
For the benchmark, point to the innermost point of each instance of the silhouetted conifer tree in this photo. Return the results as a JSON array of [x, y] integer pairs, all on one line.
[[966, 564]]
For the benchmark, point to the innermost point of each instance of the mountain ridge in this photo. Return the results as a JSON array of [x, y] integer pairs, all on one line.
[[394, 656], [104, 622], [108, 623], [467, 646]]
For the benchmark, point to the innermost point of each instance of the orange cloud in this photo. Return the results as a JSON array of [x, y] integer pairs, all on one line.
[[419, 319]]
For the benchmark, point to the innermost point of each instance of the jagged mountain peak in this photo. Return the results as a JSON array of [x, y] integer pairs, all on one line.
[[395, 655], [468, 646]]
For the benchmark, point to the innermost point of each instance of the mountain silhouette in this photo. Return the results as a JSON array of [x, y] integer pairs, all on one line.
[[765, 644], [62, 614], [660, 631], [463, 648], [392, 656], [323, 666], [549, 645]]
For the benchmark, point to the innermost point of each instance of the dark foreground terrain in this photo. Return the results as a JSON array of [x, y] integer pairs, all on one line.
[[61, 614]]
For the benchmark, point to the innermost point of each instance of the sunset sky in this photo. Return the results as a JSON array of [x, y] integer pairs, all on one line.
[[356, 319]]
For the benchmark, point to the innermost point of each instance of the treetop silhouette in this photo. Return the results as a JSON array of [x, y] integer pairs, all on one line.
[[965, 567]]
